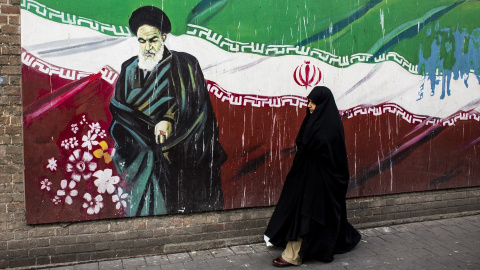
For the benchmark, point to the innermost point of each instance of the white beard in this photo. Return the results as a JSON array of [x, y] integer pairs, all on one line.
[[149, 63]]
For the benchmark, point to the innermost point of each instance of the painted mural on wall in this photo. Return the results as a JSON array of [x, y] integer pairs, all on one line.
[[193, 105]]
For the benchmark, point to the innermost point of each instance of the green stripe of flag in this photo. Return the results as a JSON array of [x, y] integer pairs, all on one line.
[[343, 28]]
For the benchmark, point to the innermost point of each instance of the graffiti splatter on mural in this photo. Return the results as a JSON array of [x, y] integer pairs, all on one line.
[[453, 53]]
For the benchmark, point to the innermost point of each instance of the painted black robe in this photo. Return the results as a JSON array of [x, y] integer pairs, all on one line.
[[182, 175], [312, 203]]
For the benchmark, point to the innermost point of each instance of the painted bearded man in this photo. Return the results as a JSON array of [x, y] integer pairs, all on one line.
[[164, 127]]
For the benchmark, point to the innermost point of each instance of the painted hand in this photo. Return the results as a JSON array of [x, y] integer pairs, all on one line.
[[162, 131]]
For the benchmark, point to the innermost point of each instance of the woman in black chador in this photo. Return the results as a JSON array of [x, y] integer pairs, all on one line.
[[310, 218]]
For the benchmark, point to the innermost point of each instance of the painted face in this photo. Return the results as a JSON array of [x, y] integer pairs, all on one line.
[[311, 106], [151, 40]]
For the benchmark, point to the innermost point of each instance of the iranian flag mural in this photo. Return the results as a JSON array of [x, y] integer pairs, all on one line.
[[231, 92]]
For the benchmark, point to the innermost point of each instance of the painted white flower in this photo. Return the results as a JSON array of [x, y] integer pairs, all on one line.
[[102, 134], [46, 184], [74, 128], [81, 165], [95, 127], [68, 190], [52, 164], [93, 205], [105, 181], [69, 143], [89, 140], [56, 200], [84, 120], [119, 198]]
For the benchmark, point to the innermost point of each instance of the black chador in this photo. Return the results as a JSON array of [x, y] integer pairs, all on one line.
[[312, 203]]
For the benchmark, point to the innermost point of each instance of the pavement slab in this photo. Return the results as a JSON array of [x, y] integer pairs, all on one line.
[[134, 263], [173, 266], [242, 249], [222, 252], [179, 257], [86, 266], [196, 265], [201, 255], [110, 265], [157, 260], [438, 244], [260, 247], [219, 262], [239, 259], [156, 267], [261, 256]]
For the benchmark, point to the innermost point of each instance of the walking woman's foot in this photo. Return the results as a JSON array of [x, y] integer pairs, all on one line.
[[280, 262]]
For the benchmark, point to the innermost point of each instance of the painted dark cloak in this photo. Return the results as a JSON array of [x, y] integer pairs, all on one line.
[[312, 203], [182, 175]]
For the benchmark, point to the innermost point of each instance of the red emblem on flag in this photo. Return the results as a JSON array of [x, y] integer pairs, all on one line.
[[307, 75]]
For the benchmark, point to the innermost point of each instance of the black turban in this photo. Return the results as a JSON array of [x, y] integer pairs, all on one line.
[[152, 16]]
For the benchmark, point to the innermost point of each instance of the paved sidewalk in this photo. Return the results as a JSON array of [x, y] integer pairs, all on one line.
[[440, 244]]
